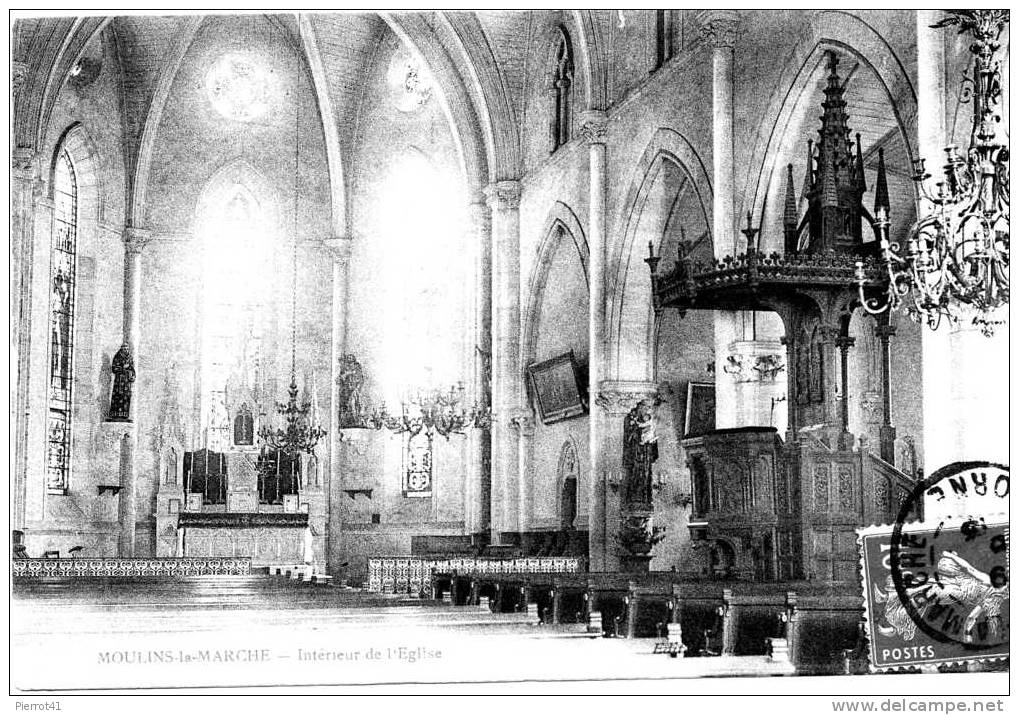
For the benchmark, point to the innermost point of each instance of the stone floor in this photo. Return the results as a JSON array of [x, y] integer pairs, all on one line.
[[260, 630]]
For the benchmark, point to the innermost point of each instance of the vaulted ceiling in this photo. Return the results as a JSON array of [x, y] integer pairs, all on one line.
[[339, 48]]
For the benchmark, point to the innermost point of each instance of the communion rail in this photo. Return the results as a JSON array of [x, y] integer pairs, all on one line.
[[131, 568], [413, 574]]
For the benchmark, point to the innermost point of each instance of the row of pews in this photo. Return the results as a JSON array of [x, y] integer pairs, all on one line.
[[818, 627]]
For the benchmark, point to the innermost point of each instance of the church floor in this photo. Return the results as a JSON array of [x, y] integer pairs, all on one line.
[[259, 630]]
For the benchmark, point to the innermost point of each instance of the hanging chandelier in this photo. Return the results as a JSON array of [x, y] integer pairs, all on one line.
[[297, 433], [431, 411], [958, 253]]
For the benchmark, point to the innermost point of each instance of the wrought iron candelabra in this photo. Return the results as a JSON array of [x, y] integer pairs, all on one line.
[[297, 433], [433, 411], [958, 252]]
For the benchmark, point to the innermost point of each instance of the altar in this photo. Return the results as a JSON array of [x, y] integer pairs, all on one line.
[[243, 503]]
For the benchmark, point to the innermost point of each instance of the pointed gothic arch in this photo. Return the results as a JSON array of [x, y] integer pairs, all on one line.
[[629, 321], [562, 224]]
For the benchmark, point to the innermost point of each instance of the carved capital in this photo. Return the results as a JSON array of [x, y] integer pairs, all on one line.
[[618, 397], [135, 239], [885, 331], [19, 74], [829, 333], [845, 342], [718, 27], [521, 419], [594, 126], [503, 195], [339, 247], [23, 161]]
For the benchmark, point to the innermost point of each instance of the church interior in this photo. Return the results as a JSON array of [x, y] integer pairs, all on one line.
[[621, 321]]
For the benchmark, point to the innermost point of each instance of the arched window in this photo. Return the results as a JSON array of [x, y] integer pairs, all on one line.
[[562, 89], [421, 284], [63, 278], [236, 285]]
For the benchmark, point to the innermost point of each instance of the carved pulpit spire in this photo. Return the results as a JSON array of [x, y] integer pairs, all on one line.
[[835, 198], [881, 203], [790, 219]]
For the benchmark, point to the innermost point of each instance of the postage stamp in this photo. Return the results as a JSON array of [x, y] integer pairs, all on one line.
[[936, 591]]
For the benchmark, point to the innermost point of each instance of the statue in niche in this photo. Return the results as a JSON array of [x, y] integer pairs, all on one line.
[[244, 426], [170, 479], [568, 470], [312, 480], [640, 452], [123, 379], [351, 401]]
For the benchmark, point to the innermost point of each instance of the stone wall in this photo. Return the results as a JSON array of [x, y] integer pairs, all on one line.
[[80, 123]]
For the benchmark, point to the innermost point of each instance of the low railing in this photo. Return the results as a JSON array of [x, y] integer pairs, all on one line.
[[412, 574], [132, 568]]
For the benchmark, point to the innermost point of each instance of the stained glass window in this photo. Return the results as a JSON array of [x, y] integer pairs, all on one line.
[[417, 457], [236, 269], [409, 80], [63, 272], [237, 88]]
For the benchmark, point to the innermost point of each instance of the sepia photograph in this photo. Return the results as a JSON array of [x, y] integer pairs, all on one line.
[[519, 351]]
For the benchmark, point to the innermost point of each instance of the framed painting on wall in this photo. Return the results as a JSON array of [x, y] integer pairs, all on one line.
[[557, 388], [700, 408]]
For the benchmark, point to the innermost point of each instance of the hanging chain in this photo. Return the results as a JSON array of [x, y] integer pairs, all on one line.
[[293, 261]]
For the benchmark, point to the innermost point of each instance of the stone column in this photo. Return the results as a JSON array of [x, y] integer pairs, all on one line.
[[24, 188], [504, 200], [522, 422], [843, 343], [829, 335], [930, 128], [595, 128], [478, 496], [339, 248], [718, 27], [886, 432], [34, 369], [134, 241], [615, 398]]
